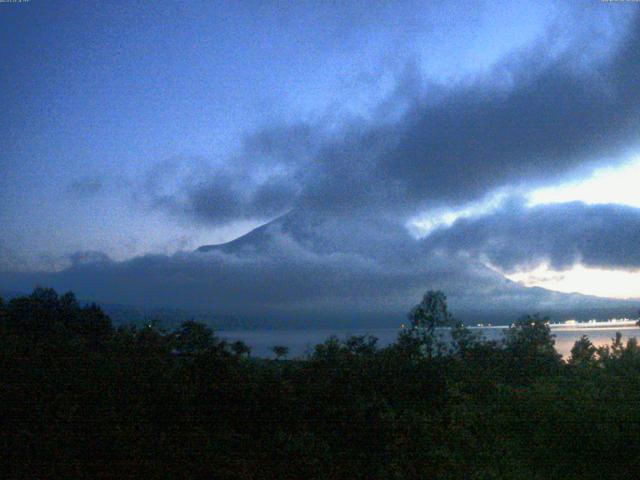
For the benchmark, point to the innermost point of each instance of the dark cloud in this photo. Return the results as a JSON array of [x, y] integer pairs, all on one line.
[[296, 268], [341, 248], [516, 237], [458, 144], [537, 115], [262, 181], [218, 199]]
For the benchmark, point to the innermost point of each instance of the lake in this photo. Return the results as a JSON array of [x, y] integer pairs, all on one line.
[[301, 342]]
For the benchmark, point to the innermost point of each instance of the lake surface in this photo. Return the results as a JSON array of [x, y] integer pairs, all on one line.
[[302, 342]]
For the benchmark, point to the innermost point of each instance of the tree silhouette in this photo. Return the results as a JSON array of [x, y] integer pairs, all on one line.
[[193, 337], [239, 348], [431, 313], [351, 410], [531, 346], [44, 314], [280, 351], [361, 344], [583, 352]]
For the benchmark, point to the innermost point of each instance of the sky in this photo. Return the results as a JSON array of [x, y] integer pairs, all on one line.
[[489, 149]]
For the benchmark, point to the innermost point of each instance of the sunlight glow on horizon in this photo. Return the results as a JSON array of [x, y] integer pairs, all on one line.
[[610, 185], [617, 185], [621, 284]]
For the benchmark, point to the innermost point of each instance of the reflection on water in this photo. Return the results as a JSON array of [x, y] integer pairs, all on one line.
[[565, 338], [301, 342]]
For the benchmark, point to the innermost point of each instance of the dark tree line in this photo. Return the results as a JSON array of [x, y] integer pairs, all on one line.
[[82, 399]]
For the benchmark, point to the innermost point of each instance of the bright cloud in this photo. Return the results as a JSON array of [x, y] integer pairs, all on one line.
[[606, 185], [580, 279], [426, 223]]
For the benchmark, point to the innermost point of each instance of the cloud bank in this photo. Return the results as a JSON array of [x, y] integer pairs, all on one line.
[[562, 235], [534, 117], [341, 196]]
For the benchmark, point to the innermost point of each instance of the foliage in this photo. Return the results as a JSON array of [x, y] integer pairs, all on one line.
[[81, 399], [193, 337], [431, 313], [240, 348], [280, 351], [583, 352], [530, 349]]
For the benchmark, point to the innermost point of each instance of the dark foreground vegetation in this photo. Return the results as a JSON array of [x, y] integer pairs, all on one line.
[[82, 399]]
